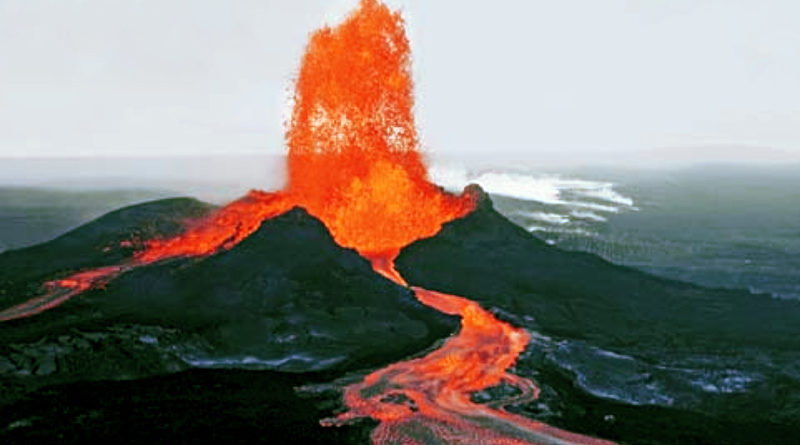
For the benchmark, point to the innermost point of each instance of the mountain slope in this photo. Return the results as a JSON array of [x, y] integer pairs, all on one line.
[[581, 296], [286, 298], [93, 244]]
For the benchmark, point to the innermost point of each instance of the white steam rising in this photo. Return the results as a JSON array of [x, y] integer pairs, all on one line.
[[547, 203]]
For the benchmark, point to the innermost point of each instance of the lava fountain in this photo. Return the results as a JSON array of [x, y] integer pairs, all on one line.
[[354, 164], [353, 158]]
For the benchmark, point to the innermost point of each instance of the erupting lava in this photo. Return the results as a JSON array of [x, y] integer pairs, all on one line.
[[353, 159], [353, 163]]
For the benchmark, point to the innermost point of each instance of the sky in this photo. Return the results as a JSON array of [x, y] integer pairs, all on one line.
[[534, 79]]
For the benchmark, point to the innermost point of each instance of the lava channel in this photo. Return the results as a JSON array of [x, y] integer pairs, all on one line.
[[427, 400]]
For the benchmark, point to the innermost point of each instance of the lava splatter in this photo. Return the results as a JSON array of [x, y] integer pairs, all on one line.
[[353, 157]]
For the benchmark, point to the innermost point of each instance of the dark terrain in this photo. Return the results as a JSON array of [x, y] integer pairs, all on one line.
[[212, 349]]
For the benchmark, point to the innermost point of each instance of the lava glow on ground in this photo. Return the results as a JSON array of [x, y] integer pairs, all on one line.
[[354, 164]]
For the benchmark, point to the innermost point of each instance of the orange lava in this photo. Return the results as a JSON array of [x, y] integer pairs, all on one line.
[[427, 399], [353, 158], [354, 164], [59, 291], [222, 230]]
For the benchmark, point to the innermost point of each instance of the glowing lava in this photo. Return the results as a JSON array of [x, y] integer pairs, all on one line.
[[221, 230], [59, 291], [427, 400], [354, 164], [353, 158]]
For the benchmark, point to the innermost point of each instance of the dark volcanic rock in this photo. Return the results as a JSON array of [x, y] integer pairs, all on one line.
[[289, 299], [286, 298], [625, 355], [485, 257], [199, 406], [94, 244]]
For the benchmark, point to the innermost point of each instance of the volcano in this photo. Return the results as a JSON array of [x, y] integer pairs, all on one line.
[[361, 303]]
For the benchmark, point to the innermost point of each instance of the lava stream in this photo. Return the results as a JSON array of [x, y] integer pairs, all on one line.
[[59, 291], [221, 230], [427, 400]]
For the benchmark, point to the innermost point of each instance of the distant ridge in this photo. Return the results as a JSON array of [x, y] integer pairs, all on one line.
[[718, 153]]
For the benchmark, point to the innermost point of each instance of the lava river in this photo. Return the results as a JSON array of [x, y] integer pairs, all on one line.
[[354, 164]]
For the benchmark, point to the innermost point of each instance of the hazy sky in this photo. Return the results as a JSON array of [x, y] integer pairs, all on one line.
[[578, 78]]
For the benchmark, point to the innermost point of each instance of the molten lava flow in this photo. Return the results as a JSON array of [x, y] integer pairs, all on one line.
[[427, 400], [222, 230], [354, 164], [59, 291]]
